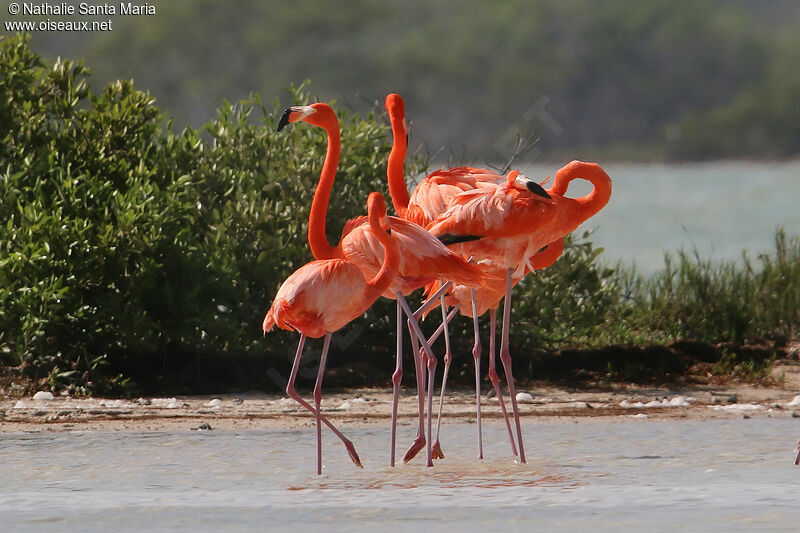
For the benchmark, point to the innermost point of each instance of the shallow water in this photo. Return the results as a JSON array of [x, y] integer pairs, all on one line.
[[637, 475], [718, 208]]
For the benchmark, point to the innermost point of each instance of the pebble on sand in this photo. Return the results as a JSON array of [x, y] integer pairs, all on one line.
[[43, 395], [524, 397]]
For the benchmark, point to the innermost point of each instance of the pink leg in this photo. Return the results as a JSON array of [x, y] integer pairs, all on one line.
[[496, 380], [476, 355], [431, 383], [448, 357], [419, 440], [505, 357], [440, 329], [318, 398], [351, 450], [431, 368], [419, 362], [396, 378]]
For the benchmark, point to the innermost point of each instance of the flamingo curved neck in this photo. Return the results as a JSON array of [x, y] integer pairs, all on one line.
[[601, 190], [394, 167], [391, 260], [317, 239]]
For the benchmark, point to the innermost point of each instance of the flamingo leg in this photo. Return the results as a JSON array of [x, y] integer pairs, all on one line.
[[505, 357], [493, 377], [318, 398], [412, 452], [431, 368], [396, 378], [476, 355], [292, 393], [419, 440], [419, 361], [448, 358], [440, 329]]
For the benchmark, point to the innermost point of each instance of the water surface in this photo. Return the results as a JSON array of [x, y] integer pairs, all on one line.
[[719, 208], [616, 476]]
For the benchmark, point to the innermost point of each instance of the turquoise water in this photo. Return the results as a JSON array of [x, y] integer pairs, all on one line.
[[637, 475], [719, 208]]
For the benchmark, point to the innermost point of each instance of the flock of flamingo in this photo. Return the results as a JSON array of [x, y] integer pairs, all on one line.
[[465, 235]]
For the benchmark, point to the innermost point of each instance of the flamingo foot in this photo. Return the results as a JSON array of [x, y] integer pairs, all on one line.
[[416, 446], [437, 452], [351, 451]]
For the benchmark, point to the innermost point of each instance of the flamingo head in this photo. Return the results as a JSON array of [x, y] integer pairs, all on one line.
[[397, 112], [523, 182], [395, 106], [376, 207], [315, 114]]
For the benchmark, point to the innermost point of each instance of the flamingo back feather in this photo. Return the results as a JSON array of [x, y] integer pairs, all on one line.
[[319, 297]]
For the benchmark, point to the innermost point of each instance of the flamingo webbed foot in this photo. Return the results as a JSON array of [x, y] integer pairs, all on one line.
[[351, 451], [437, 452], [413, 450]]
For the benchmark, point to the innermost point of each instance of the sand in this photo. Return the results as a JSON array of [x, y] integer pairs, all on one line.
[[373, 406]]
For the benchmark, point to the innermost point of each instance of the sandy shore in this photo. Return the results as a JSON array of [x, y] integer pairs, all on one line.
[[373, 406]]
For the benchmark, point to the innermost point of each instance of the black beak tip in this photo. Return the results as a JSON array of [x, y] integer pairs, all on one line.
[[284, 119], [535, 188]]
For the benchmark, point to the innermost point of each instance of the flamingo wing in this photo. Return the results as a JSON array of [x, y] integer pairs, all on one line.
[[492, 213], [436, 192], [423, 258], [319, 297]]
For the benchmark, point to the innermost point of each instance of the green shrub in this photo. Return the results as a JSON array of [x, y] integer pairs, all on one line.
[[124, 246], [728, 301], [130, 251], [578, 301]]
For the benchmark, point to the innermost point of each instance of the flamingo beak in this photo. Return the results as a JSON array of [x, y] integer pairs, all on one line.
[[523, 181], [295, 114], [284, 119], [797, 461], [535, 188]]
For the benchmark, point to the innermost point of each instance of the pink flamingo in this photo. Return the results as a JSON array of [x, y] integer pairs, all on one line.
[[504, 227], [423, 259], [324, 295], [429, 200]]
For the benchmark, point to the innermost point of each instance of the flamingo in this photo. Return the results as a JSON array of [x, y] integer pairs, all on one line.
[[423, 259], [504, 227], [324, 295], [430, 199]]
